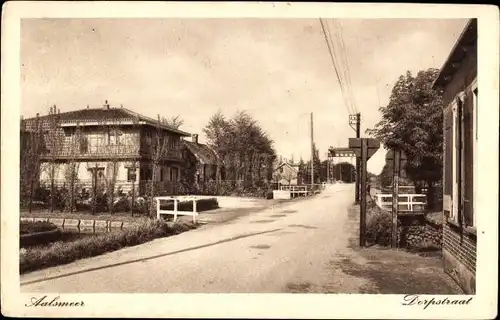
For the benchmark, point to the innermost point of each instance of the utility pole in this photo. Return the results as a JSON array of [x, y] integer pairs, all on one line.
[[362, 220], [395, 196], [312, 152], [358, 135], [355, 123]]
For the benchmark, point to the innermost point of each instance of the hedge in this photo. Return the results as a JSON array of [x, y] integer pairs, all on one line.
[[201, 205], [27, 227], [61, 252]]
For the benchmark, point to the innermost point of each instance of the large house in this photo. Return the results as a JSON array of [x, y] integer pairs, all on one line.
[[458, 80], [112, 142]]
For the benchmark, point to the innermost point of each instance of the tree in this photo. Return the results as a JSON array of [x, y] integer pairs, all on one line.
[[216, 132], [31, 143], [72, 166], [54, 140], [242, 146], [175, 122], [158, 148], [302, 172], [412, 123], [317, 167]]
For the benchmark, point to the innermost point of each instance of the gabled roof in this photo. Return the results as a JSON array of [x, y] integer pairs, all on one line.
[[115, 115], [293, 166], [202, 152], [466, 40]]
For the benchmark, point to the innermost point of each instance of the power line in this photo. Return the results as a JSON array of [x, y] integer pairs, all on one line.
[[325, 34], [348, 73], [345, 91]]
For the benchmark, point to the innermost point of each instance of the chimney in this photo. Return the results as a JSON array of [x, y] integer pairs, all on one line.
[[194, 138]]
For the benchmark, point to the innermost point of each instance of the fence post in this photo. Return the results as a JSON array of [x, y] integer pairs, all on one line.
[[175, 209], [157, 208], [395, 199], [194, 210]]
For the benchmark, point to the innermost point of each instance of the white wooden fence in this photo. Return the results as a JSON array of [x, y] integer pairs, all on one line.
[[406, 202], [296, 189], [177, 200]]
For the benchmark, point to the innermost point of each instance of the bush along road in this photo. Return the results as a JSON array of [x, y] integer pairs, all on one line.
[[63, 252]]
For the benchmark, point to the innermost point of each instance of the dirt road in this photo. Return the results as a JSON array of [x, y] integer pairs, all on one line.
[[305, 246]]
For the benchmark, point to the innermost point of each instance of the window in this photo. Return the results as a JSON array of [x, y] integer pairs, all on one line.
[[146, 173], [84, 145], [174, 173], [100, 173], [113, 136], [131, 174]]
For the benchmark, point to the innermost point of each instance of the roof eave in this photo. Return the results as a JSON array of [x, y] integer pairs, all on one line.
[[441, 80]]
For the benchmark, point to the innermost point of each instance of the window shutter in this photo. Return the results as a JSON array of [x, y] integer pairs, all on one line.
[[468, 159], [448, 153], [459, 154]]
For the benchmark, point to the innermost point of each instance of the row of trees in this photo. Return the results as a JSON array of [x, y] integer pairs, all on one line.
[[242, 147]]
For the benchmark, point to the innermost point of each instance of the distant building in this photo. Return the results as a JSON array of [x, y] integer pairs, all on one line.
[[458, 80], [95, 138], [286, 173]]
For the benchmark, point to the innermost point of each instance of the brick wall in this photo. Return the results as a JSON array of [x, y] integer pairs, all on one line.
[[460, 256]]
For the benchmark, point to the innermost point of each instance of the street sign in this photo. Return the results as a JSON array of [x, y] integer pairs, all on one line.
[[372, 144]]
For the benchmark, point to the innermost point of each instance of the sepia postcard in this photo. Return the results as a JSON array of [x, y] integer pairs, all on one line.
[[249, 160]]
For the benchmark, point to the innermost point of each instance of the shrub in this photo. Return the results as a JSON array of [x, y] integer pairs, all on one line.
[[26, 227], [65, 252], [269, 194], [379, 226], [201, 205]]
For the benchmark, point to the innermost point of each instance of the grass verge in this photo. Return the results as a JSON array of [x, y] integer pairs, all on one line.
[[60, 252]]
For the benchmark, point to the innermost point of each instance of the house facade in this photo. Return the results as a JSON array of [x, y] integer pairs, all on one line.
[[458, 81], [108, 144], [286, 173], [201, 161]]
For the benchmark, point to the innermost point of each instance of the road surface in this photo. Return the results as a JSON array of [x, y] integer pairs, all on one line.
[[309, 245], [274, 250]]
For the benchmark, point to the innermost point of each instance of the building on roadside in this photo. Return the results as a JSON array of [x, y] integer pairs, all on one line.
[[458, 81], [286, 173], [114, 142], [201, 160]]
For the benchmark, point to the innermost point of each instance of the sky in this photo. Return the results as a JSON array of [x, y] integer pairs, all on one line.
[[278, 70]]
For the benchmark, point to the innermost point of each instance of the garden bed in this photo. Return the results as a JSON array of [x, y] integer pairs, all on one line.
[[63, 252]]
